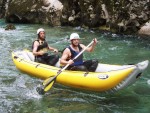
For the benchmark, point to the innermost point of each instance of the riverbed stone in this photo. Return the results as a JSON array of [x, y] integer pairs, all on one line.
[[10, 27]]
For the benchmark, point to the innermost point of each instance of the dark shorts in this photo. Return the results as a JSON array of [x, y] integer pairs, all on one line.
[[88, 65], [47, 59]]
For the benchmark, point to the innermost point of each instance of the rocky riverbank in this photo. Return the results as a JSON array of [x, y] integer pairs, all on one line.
[[121, 16]]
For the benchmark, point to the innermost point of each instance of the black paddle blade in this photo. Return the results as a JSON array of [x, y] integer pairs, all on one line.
[[40, 90]]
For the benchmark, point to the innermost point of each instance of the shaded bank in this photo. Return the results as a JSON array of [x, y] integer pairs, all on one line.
[[120, 16], [2, 8]]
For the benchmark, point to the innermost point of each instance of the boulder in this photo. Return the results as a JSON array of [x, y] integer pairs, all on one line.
[[36, 11], [145, 30], [119, 16], [10, 27]]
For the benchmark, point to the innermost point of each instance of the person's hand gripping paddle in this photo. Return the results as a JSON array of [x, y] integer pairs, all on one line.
[[47, 84]]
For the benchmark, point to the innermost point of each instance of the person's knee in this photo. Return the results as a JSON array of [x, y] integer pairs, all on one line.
[[56, 58], [93, 66], [53, 60]]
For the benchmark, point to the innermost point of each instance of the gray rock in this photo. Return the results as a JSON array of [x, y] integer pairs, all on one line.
[[126, 16]]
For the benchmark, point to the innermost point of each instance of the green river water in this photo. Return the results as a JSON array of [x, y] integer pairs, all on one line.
[[17, 90]]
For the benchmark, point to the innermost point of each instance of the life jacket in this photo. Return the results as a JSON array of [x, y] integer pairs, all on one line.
[[79, 60], [43, 46]]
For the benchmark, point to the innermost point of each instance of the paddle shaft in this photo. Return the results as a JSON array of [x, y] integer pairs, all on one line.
[[67, 64]]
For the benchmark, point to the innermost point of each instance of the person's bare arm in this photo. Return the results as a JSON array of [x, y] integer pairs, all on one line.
[[64, 57], [35, 46], [91, 48]]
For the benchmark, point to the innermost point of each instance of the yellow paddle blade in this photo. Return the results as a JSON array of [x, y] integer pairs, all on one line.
[[49, 86], [45, 81]]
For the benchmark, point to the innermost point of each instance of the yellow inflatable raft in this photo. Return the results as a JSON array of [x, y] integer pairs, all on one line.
[[105, 78]]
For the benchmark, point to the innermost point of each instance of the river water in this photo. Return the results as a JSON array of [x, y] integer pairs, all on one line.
[[17, 90]]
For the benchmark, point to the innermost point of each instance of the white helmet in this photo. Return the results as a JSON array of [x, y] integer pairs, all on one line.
[[74, 36], [39, 30]]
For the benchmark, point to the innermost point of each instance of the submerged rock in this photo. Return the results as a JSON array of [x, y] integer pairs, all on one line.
[[10, 27]]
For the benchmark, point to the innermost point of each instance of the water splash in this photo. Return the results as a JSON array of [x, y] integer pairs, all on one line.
[[33, 94], [148, 82]]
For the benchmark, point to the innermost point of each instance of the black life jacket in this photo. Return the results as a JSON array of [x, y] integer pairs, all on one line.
[[42, 46]]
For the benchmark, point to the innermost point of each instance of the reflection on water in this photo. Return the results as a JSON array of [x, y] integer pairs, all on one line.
[[17, 90]]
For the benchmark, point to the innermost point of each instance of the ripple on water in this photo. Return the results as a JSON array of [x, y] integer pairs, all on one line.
[[113, 48]]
